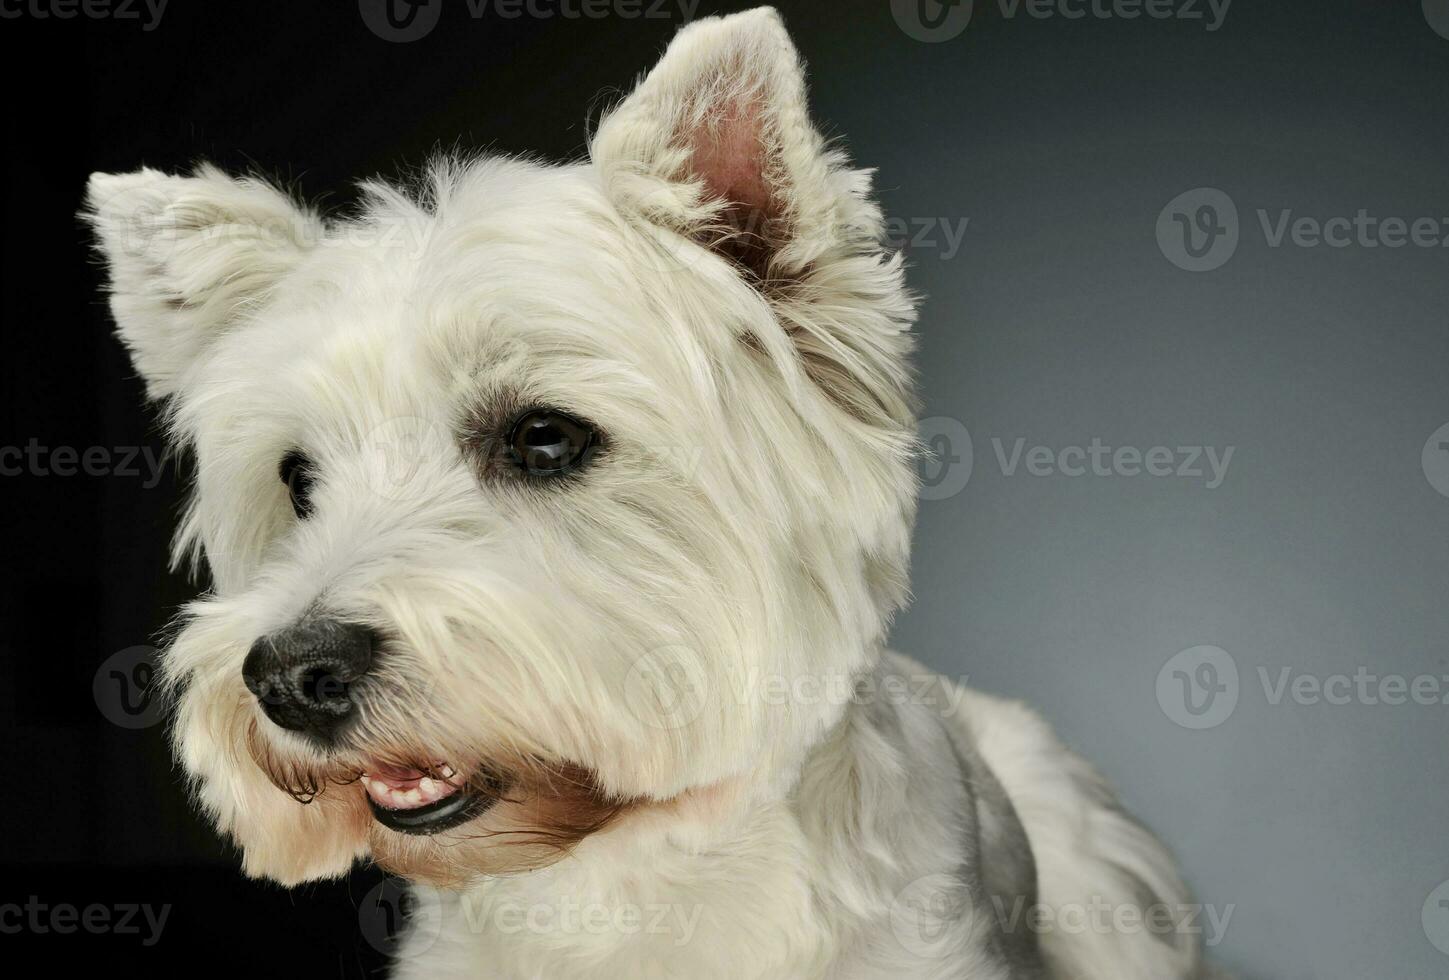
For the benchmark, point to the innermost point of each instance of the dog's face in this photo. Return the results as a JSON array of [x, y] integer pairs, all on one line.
[[522, 495]]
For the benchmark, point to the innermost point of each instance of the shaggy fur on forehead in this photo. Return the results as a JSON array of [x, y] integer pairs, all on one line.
[[467, 242]]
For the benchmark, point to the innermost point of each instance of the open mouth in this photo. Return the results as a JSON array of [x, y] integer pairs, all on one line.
[[412, 801]]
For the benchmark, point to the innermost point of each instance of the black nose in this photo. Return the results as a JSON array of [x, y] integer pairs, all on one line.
[[304, 676]]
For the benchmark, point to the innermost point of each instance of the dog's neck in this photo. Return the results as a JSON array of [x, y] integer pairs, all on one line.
[[697, 885]]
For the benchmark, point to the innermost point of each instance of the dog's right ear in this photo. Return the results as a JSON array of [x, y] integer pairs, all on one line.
[[188, 257]]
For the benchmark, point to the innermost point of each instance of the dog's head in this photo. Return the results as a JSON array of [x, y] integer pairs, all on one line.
[[521, 492]]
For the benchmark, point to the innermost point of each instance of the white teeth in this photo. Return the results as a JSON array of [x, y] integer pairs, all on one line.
[[410, 794]]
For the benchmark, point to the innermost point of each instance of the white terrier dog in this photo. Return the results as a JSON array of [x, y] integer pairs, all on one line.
[[595, 498]]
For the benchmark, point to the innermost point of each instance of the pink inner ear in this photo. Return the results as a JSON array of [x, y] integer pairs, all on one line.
[[728, 154]]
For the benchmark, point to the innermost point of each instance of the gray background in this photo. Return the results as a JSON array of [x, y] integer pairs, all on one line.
[[1323, 550]]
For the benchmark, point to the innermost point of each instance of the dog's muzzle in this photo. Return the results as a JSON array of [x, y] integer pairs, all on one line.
[[302, 676]]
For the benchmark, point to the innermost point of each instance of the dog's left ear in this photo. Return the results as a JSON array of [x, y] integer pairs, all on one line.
[[716, 143]]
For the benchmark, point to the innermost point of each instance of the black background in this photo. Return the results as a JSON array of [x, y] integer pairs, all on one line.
[[307, 93]]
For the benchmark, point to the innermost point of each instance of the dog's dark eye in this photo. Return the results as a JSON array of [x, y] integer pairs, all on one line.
[[296, 473], [546, 442]]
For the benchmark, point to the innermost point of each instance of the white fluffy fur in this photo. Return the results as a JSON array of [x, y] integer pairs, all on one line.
[[750, 520]]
